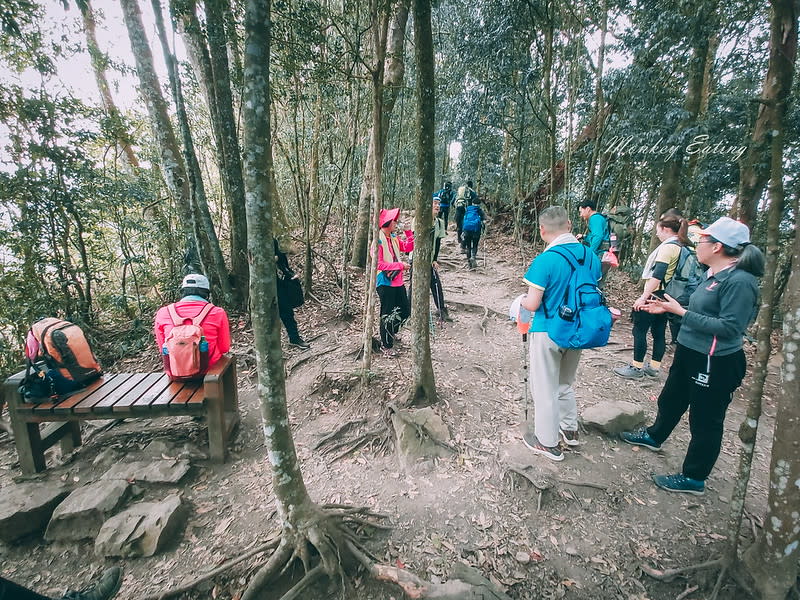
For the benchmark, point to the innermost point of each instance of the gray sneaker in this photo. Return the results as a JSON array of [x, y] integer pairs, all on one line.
[[651, 372], [551, 452], [629, 372]]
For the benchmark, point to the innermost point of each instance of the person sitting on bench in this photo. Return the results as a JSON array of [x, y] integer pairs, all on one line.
[[191, 308]]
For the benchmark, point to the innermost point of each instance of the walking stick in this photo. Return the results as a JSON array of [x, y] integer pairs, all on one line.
[[522, 317]]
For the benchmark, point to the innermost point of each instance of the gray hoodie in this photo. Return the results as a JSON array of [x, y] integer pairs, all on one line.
[[720, 310]]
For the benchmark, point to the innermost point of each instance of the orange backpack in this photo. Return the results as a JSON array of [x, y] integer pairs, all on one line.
[[64, 348], [185, 350]]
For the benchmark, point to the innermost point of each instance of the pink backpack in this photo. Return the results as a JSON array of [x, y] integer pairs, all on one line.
[[185, 350]]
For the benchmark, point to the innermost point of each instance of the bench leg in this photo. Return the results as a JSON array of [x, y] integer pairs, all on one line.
[[72, 438], [28, 440], [217, 432]]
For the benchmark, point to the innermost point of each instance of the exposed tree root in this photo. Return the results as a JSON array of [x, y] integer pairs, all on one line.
[[670, 574], [211, 574], [686, 592], [418, 588], [337, 432]]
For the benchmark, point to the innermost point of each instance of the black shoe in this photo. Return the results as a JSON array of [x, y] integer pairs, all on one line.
[[105, 588], [299, 343]]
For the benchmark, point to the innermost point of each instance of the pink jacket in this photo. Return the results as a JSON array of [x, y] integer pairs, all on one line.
[[215, 327], [389, 260]]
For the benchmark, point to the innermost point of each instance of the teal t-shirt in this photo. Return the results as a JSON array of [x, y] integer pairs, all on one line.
[[552, 273], [598, 232]]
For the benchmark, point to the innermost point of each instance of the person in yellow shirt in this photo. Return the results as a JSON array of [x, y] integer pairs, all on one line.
[[657, 273]]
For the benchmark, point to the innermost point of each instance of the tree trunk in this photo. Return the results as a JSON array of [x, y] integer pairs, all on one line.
[[598, 103], [423, 387], [99, 61], [672, 194], [380, 26], [173, 168], [232, 177], [391, 85], [206, 234], [772, 106], [287, 480], [773, 560]]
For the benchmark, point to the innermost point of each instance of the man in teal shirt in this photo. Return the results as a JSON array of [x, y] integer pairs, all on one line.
[[553, 369], [598, 238]]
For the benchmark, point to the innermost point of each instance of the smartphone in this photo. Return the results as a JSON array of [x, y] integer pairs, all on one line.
[[659, 295]]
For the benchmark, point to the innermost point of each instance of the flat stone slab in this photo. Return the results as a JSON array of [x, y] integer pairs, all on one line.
[[149, 471], [26, 508], [141, 530], [82, 514], [613, 416]]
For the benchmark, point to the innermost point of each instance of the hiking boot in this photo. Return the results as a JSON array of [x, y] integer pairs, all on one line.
[[651, 372], [105, 588], [629, 372], [473, 263], [681, 484], [388, 352], [640, 437], [570, 438], [551, 452], [299, 343], [445, 316]]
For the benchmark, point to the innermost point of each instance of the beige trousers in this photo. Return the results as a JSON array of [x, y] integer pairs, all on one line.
[[552, 372]]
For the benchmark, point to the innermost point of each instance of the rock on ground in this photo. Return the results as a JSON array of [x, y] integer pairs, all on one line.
[[26, 508], [149, 471], [418, 433], [141, 530], [613, 416], [82, 514]]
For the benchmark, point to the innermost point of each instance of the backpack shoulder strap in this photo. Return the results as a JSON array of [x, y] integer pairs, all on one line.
[[202, 314], [173, 314]]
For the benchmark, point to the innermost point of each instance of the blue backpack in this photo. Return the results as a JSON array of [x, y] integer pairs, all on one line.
[[583, 319], [472, 219]]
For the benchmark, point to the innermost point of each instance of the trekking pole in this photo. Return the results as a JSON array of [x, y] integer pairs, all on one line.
[[522, 317], [483, 237], [526, 393]]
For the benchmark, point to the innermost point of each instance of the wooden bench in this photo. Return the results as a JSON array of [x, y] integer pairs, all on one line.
[[123, 395]]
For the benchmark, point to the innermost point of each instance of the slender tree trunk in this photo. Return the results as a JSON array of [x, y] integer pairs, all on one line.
[[598, 103], [232, 177], [423, 387], [287, 480], [391, 86], [771, 107], [171, 161], [206, 234], [773, 560], [672, 193], [380, 26], [99, 61]]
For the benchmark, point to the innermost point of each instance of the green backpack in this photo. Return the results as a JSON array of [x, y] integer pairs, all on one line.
[[620, 219]]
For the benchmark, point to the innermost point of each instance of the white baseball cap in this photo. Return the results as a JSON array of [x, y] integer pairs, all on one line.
[[728, 231], [195, 280]]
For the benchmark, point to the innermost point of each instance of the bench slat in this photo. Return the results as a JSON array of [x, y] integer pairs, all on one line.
[[189, 390], [55, 407], [146, 400], [150, 381], [86, 405], [165, 397], [66, 406], [107, 403]]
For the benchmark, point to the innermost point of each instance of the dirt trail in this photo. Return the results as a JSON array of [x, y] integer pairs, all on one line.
[[599, 514]]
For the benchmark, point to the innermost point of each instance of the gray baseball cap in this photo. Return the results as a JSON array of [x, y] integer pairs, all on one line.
[[728, 231], [195, 280]]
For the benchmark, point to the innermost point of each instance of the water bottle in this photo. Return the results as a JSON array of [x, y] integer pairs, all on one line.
[[203, 354], [165, 358]]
